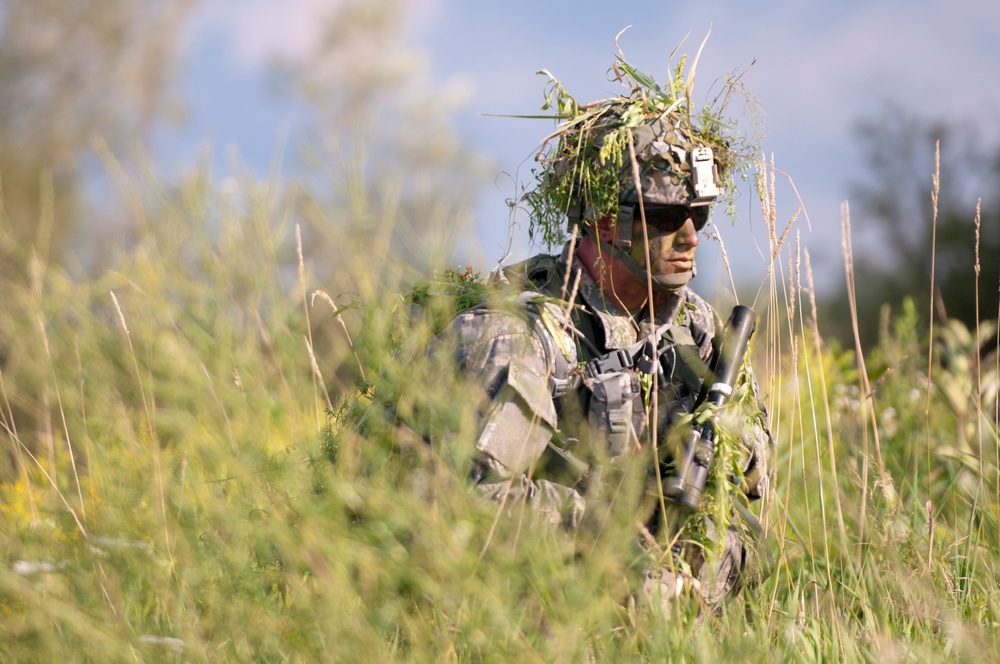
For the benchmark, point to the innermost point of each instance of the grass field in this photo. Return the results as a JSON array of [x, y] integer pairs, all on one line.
[[178, 482]]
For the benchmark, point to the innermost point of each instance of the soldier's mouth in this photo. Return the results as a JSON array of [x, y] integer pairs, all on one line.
[[681, 264]]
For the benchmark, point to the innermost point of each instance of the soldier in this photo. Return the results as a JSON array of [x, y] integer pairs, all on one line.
[[563, 396]]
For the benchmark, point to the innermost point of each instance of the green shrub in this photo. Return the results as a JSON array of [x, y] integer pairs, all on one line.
[[200, 466]]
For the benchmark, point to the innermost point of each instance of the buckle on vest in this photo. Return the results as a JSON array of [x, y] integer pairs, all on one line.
[[619, 426], [560, 386], [613, 362]]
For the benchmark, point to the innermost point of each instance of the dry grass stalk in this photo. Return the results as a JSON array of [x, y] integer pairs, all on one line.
[[845, 239], [929, 506], [570, 255], [717, 236], [818, 343], [343, 326], [62, 414], [852, 300], [154, 442], [572, 296], [935, 191], [317, 377], [10, 426], [654, 401], [767, 193], [222, 408], [55, 487], [979, 345]]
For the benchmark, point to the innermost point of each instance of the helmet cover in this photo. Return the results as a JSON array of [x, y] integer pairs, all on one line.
[[585, 166]]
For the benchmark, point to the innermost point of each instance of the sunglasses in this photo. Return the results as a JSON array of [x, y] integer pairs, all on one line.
[[670, 218]]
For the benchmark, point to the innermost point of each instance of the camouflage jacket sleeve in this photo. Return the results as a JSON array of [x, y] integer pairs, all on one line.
[[511, 356]]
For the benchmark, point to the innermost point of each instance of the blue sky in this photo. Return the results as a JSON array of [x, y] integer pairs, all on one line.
[[818, 68]]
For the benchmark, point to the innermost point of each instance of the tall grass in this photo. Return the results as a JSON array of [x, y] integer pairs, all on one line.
[[215, 451]]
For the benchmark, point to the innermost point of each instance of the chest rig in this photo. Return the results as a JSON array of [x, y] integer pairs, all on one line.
[[601, 387]]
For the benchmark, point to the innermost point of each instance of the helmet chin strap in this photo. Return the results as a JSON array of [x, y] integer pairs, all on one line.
[[668, 283]]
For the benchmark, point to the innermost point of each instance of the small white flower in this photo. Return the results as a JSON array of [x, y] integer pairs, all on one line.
[[171, 642], [888, 422], [29, 567]]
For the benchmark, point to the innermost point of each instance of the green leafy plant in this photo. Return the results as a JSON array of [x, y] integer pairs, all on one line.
[[585, 157], [446, 293]]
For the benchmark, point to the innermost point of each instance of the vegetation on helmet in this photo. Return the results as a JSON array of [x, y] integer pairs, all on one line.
[[587, 157]]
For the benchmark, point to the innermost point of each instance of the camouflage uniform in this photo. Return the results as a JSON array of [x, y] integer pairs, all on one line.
[[548, 428]]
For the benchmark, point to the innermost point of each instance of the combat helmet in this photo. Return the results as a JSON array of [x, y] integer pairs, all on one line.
[[675, 168], [587, 170]]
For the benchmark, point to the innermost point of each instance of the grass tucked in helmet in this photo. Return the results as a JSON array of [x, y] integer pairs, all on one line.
[[683, 158]]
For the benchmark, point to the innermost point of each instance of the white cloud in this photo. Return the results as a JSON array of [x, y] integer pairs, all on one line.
[[262, 31], [258, 31]]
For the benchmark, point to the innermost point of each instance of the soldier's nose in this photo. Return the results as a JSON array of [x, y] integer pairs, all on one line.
[[688, 234]]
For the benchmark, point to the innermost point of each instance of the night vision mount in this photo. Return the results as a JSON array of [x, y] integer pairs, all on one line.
[[704, 177]]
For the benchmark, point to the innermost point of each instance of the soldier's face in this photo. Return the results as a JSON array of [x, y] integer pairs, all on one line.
[[673, 238]]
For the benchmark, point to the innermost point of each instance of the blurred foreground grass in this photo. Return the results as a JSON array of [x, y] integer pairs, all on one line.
[[178, 482]]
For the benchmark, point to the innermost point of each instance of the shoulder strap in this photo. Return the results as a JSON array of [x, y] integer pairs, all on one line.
[[546, 274]]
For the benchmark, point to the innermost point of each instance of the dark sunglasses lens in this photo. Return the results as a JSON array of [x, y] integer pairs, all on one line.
[[699, 216], [670, 218]]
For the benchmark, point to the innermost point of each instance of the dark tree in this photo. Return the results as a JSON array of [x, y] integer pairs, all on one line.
[[892, 217]]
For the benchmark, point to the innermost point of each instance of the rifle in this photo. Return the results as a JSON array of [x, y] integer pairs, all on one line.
[[685, 485]]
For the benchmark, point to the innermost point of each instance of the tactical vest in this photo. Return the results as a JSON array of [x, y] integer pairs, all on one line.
[[599, 385]]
